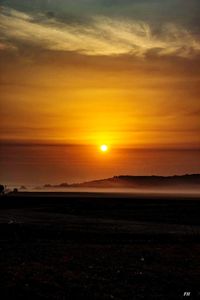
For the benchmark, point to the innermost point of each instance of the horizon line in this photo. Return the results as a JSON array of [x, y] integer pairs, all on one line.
[[128, 147]]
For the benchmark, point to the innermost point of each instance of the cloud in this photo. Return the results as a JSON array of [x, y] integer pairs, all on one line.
[[4, 45], [105, 36]]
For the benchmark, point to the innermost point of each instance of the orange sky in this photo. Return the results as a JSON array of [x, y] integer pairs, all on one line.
[[87, 73], [122, 101], [79, 74]]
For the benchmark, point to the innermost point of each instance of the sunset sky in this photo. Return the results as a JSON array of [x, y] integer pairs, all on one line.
[[83, 73]]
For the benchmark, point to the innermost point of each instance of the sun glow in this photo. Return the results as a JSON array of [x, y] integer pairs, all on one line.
[[104, 148]]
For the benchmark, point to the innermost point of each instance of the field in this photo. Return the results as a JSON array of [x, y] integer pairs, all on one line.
[[90, 246]]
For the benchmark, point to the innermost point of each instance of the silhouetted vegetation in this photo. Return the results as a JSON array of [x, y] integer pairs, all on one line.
[[15, 190], [2, 189]]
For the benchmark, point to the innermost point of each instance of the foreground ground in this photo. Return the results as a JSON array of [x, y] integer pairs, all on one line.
[[85, 246]]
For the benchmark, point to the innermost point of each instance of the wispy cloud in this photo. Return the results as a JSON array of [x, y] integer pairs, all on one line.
[[102, 36]]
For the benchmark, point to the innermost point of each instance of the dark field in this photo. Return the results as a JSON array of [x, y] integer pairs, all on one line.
[[92, 246]]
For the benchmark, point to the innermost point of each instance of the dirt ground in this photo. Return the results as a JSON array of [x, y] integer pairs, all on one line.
[[82, 247]]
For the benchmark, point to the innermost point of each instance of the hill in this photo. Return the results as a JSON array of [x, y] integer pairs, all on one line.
[[127, 181]]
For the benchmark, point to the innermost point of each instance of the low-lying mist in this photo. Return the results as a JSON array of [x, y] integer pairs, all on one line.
[[117, 192]]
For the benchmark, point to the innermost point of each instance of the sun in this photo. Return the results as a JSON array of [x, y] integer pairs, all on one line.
[[104, 148]]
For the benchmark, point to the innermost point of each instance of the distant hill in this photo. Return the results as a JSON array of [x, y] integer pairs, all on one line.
[[127, 181]]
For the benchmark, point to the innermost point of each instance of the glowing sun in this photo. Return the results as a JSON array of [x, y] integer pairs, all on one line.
[[104, 148]]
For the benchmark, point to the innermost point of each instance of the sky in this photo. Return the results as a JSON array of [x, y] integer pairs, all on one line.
[[91, 72]]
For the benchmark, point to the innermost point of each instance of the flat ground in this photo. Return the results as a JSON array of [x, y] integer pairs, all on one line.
[[89, 246]]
